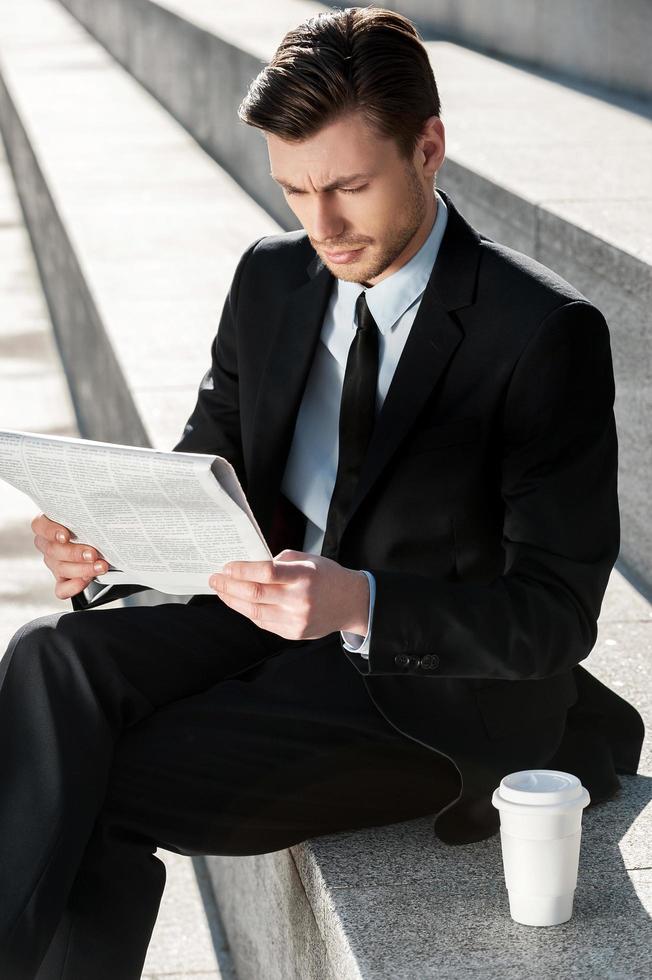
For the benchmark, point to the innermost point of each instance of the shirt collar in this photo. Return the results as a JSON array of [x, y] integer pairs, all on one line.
[[391, 297]]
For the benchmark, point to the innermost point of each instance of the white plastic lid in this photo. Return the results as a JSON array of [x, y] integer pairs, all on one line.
[[540, 786]]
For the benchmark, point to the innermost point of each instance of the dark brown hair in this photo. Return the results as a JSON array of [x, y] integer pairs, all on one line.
[[361, 58]]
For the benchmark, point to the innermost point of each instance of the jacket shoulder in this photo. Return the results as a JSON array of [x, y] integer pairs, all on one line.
[[283, 259], [523, 278], [285, 243]]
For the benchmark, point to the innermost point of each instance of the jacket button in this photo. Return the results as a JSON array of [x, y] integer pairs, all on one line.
[[401, 660], [430, 661]]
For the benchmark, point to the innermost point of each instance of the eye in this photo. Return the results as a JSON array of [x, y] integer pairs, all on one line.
[[345, 190]]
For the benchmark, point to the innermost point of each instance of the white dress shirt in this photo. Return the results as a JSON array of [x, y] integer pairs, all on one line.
[[311, 467]]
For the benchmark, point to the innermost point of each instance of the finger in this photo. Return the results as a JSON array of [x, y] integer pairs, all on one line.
[[50, 529], [247, 589], [252, 571], [85, 569], [69, 552], [268, 571], [67, 588], [59, 537], [70, 570], [284, 625], [258, 613], [288, 607]]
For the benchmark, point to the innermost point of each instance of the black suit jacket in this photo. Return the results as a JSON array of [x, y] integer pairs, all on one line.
[[486, 509]]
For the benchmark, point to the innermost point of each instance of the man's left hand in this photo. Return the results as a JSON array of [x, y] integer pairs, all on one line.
[[296, 594]]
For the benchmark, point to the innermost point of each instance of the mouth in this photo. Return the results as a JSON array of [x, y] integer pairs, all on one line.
[[344, 256]]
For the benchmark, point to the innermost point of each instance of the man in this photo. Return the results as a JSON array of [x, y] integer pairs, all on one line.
[[422, 419]]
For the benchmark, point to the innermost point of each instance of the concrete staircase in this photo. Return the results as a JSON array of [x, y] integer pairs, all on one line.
[[140, 191]]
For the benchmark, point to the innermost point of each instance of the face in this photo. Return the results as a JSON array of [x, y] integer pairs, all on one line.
[[366, 208]]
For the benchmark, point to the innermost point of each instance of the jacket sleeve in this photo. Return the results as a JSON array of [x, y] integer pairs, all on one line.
[[561, 528], [213, 426]]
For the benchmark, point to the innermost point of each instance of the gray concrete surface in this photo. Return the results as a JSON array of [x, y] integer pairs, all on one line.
[[136, 230], [34, 396], [394, 902], [556, 172], [604, 41]]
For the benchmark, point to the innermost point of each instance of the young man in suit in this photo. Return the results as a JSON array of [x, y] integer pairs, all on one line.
[[422, 419]]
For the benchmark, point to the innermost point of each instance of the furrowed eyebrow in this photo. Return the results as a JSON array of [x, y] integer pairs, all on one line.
[[340, 182]]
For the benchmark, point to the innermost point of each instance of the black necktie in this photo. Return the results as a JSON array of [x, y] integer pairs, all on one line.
[[357, 416]]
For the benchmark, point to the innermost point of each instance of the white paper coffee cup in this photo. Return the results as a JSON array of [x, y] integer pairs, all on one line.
[[540, 834]]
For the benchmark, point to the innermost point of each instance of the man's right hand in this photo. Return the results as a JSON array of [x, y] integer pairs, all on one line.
[[73, 565]]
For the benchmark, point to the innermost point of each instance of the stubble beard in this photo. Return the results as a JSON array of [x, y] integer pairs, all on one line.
[[401, 235]]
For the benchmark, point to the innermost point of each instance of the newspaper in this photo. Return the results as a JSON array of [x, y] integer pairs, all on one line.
[[164, 520]]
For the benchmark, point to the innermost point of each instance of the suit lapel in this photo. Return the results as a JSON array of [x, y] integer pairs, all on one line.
[[282, 385], [435, 335]]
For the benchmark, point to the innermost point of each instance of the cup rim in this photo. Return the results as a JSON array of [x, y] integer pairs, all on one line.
[[540, 787]]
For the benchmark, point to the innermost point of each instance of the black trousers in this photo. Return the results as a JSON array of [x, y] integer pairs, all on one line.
[[180, 726]]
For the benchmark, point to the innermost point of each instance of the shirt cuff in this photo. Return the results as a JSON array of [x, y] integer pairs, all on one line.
[[353, 642]]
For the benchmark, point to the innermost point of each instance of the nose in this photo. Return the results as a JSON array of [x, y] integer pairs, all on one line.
[[327, 224]]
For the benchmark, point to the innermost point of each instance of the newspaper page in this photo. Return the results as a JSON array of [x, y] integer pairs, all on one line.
[[165, 520]]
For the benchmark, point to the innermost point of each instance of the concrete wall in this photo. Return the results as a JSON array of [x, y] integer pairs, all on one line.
[[603, 41], [199, 76]]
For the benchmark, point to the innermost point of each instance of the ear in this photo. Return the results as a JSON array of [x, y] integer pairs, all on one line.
[[431, 147]]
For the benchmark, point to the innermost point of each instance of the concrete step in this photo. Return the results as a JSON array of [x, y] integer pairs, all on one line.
[[597, 41], [34, 395], [556, 172], [136, 230]]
